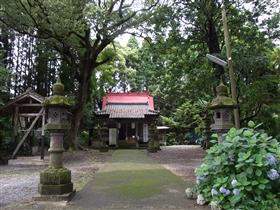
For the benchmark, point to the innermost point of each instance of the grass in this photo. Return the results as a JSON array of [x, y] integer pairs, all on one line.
[[134, 176]]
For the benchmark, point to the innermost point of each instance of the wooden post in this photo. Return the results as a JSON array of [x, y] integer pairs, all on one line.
[[43, 122], [230, 67], [126, 131], [136, 130], [16, 124], [43, 136], [42, 148]]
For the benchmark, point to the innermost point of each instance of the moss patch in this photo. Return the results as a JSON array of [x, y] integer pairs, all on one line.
[[133, 175], [137, 184]]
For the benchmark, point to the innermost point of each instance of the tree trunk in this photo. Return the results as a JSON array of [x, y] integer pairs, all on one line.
[[41, 67], [213, 45], [86, 67]]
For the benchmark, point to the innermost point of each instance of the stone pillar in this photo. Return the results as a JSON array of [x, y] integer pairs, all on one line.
[[56, 150], [153, 145], [55, 181]]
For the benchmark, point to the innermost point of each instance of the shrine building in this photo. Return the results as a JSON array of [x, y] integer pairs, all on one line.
[[128, 117]]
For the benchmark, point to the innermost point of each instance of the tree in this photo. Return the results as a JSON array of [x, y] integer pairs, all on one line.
[[173, 66], [78, 30]]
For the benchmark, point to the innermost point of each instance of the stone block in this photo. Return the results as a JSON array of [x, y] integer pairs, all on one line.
[[54, 198], [58, 189], [54, 176]]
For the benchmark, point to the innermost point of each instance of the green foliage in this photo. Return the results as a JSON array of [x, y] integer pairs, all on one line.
[[4, 76], [186, 118], [236, 173], [84, 136], [173, 66], [116, 74], [6, 134]]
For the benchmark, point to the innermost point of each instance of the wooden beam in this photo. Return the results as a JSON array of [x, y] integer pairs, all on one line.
[[29, 105], [30, 114], [27, 133]]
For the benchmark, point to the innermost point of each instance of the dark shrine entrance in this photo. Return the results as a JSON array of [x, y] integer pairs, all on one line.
[[122, 132]]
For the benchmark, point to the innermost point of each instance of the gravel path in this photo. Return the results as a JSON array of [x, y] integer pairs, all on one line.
[[181, 160], [19, 179]]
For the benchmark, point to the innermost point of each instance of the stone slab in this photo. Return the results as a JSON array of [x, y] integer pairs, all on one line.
[[55, 198], [58, 189]]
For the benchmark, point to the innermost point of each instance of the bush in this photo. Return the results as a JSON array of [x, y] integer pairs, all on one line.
[[171, 139], [84, 136], [242, 172]]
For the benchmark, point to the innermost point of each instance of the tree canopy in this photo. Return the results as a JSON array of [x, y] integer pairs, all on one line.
[[76, 39]]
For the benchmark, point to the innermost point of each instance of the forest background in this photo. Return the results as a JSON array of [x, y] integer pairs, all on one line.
[[40, 39]]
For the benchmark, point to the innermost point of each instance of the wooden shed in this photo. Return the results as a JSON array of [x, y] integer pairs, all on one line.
[[28, 117]]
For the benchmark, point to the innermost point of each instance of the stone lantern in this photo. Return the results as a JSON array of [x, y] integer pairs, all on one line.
[[222, 107], [55, 181]]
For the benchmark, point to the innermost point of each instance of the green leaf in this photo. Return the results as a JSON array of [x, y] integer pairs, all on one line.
[[255, 183], [258, 158], [251, 124], [264, 181], [248, 188], [261, 186], [248, 133], [258, 172]]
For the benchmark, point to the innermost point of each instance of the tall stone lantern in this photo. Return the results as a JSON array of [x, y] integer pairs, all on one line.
[[222, 107], [55, 181]]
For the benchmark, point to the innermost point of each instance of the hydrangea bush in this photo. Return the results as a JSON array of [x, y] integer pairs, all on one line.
[[242, 172]]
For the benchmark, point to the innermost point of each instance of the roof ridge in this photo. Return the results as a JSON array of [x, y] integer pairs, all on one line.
[[127, 103], [144, 93]]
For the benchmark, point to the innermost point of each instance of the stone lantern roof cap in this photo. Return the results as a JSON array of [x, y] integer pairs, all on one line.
[[222, 99], [58, 99], [58, 87]]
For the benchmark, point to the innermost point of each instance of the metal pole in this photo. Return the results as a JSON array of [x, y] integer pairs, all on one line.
[[230, 66]]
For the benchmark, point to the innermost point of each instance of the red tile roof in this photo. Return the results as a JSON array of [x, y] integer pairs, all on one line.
[[122, 110], [128, 105], [135, 97]]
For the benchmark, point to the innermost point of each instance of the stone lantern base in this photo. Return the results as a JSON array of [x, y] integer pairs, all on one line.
[[55, 185]]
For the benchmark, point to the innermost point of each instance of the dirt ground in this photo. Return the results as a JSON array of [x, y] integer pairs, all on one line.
[[19, 179], [181, 160]]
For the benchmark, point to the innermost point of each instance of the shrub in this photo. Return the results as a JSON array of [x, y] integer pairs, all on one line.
[[84, 136], [242, 172], [171, 139]]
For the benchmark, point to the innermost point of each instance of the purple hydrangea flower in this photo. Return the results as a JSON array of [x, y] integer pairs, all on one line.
[[214, 192], [272, 174], [236, 191], [228, 192], [224, 191], [234, 182], [271, 160]]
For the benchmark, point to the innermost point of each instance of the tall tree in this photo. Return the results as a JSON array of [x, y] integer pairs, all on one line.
[[78, 30], [173, 64]]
